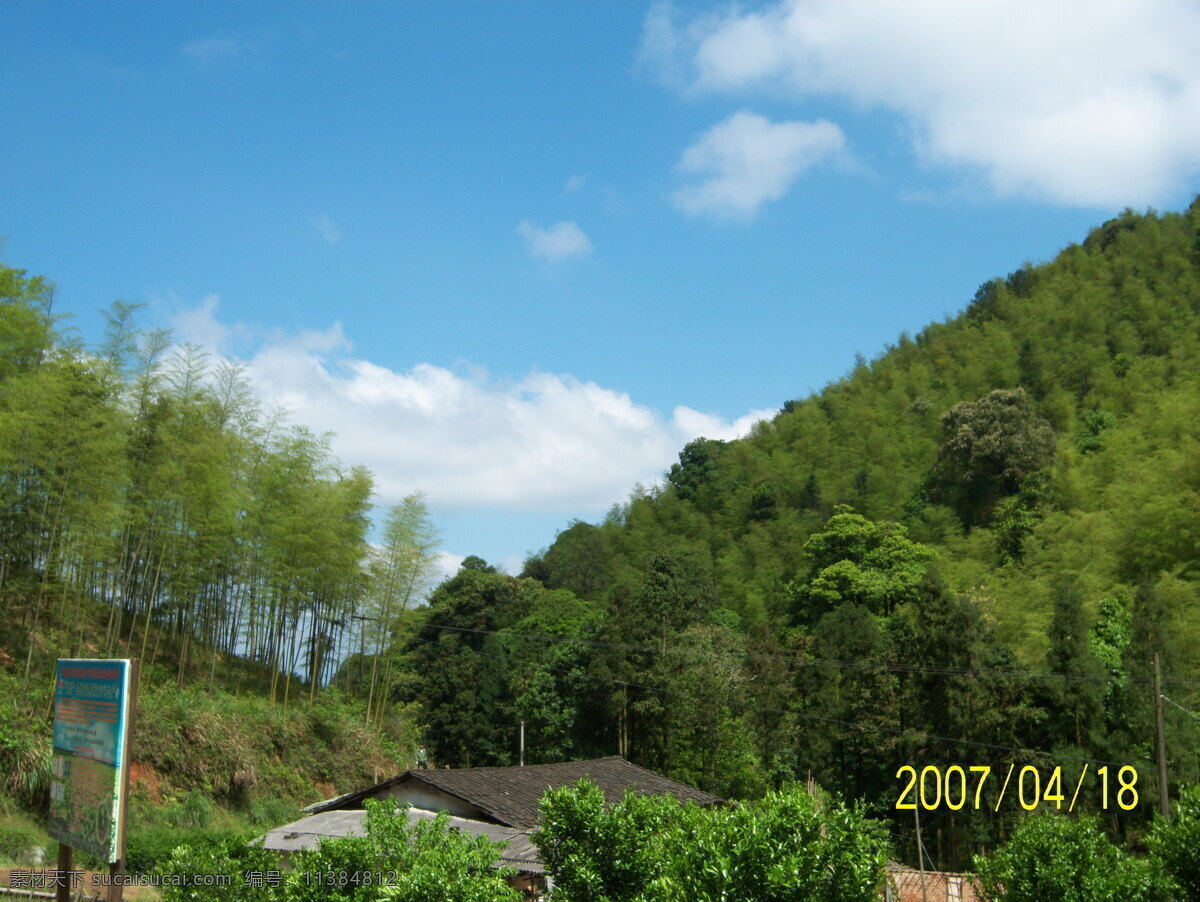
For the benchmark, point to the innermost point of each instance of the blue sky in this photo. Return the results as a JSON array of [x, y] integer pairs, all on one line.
[[517, 254]]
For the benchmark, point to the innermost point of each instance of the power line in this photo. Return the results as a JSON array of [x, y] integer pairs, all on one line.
[[879, 728], [890, 666], [1181, 707]]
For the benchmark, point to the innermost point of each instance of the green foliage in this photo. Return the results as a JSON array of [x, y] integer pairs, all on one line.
[[271, 812], [789, 845], [601, 853], [1054, 857], [18, 839], [708, 710], [25, 322], [240, 751], [858, 561], [1079, 701], [432, 863], [677, 589], [579, 560], [232, 857], [1176, 843], [148, 848], [1088, 440], [24, 748], [693, 476], [426, 862], [989, 448]]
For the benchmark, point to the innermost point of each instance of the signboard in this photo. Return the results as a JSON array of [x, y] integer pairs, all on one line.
[[92, 701]]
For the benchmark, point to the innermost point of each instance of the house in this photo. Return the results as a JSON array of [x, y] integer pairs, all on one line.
[[519, 853], [501, 803], [906, 884]]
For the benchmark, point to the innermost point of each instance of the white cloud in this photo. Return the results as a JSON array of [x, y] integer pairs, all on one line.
[[748, 160], [1092, 103], [574, 183], [694, 424], [446, 564], [326, 228], [544, 443], [220, 49], [561, 241], [199, 326], [511, 564]]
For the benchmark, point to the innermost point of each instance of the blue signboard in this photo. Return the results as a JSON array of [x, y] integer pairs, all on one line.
[[91, 738]]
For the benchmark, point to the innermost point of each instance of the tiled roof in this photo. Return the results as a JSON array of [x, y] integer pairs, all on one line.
[[308, 832], [510, 795]]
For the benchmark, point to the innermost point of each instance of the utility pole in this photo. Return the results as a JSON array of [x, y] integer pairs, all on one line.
[[522, 743], [1164, 802], [920, 849]]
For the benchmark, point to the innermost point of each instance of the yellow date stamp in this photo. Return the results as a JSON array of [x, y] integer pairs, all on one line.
[[957, 787]]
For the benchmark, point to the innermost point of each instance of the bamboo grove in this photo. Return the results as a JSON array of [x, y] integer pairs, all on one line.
[[147, 477]]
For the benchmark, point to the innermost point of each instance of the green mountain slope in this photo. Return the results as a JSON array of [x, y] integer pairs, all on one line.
[[1105, 343], [966, 552]]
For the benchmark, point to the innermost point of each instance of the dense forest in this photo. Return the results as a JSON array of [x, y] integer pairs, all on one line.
[[965, 552]]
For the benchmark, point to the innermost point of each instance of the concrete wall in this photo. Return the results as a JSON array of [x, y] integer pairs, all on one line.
[[420, 795]]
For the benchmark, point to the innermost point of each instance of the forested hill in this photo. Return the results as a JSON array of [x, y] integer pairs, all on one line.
[[1049, 428], [965, 552]]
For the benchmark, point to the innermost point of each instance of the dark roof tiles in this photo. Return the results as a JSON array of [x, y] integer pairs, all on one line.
[[510, 795]]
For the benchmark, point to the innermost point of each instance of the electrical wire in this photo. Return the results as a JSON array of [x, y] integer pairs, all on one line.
[[1181, 707], [889, 666], [1032, 754]]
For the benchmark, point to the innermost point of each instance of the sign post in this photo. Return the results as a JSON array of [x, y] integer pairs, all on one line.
[[93, 723]]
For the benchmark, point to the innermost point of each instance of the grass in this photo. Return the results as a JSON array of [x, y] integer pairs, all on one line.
[[212, 758]]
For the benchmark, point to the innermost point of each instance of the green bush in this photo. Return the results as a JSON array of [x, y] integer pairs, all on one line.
[[1176, 843], [788, 845], [24, 750], [150, 847], [432, 863], [1053, 858], [272, 812], [234, 858]]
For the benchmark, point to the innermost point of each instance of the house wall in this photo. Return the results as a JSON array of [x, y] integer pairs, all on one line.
[[420, 795]]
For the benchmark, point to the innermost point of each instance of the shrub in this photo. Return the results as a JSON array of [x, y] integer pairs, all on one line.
[[234, 858], [1176, 843], [272, 812], [24, 752], [432, 863], [147, 848], [788, 845], [1053, 857]]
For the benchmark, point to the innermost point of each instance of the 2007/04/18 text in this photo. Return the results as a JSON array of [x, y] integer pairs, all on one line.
[[932, 787]]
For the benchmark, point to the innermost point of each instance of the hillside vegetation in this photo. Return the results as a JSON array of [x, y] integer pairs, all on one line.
[[964, 552], [150, 508], [211, 759]]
